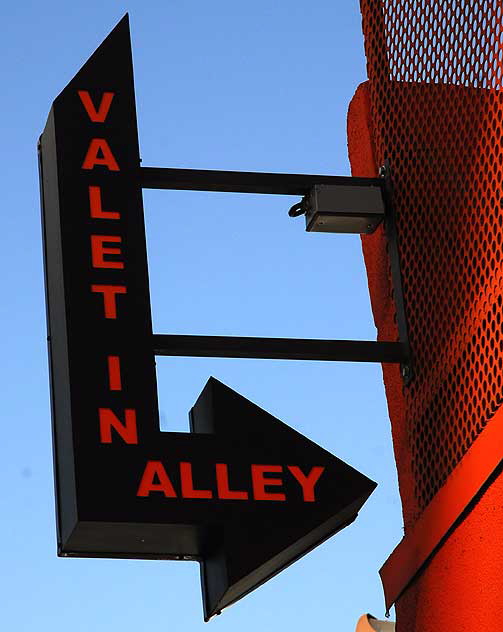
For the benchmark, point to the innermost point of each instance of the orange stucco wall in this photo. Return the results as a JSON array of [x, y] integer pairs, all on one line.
[[460, 588]]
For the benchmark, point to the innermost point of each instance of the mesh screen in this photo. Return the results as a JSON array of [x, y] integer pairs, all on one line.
[[435, 79]]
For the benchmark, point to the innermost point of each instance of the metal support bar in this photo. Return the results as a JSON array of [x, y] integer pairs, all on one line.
[[285, 348], [243, 181], [396, 275], [279, 348]]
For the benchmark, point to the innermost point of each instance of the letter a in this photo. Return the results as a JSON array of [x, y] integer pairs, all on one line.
[[155, 469], [106, 159]]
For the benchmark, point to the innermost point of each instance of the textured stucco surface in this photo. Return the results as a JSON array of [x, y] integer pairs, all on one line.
[[461, 588]]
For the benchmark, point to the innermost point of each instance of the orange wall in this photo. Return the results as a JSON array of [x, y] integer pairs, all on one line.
[[460, 587]]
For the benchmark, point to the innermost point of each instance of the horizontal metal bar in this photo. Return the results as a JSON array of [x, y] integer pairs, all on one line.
[[243, 181], [279, 348]]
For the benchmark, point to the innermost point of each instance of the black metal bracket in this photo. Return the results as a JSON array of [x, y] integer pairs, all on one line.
[[243, 181], [390, 229], [279, 348], [284, 348]]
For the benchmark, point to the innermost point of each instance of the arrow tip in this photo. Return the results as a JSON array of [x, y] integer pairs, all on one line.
[[268, 532]]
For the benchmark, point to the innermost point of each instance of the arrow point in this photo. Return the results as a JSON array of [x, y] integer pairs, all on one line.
[[270, 530]]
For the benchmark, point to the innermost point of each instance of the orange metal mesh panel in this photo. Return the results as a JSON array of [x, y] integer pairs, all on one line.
[[435, 79]]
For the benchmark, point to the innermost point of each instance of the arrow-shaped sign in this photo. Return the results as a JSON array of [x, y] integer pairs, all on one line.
[[292, 495], [243, 493]]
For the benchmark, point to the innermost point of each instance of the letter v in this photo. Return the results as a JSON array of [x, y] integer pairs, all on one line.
[[96, 115]]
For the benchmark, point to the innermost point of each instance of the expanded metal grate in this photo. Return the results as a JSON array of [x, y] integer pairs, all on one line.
[[435, 78]]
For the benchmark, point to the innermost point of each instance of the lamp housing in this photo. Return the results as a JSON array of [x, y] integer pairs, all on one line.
[[344, 209]]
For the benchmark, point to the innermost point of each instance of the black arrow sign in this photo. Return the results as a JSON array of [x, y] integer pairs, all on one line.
[[243, 493], [309, 495]]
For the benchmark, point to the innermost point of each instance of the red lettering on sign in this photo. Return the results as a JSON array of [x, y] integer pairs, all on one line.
[[114, 373], [100, 145], [307, 482], [98, 251], [96, 207], [96, 115], [223, 484], [127, 430], [259, 482], [260, 475], [187, 483], [109, 301], [155, 469]]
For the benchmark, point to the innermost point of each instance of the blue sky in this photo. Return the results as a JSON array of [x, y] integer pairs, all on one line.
[[256, 86]]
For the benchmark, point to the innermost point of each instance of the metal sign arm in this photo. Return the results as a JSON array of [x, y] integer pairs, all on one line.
[[279, 348], [285, 348], [244, 181]]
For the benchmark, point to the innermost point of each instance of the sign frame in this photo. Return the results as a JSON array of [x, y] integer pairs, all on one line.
[[123, 488]]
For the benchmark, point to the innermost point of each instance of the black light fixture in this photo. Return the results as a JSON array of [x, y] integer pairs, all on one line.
[[341, 209], [344, 209]]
